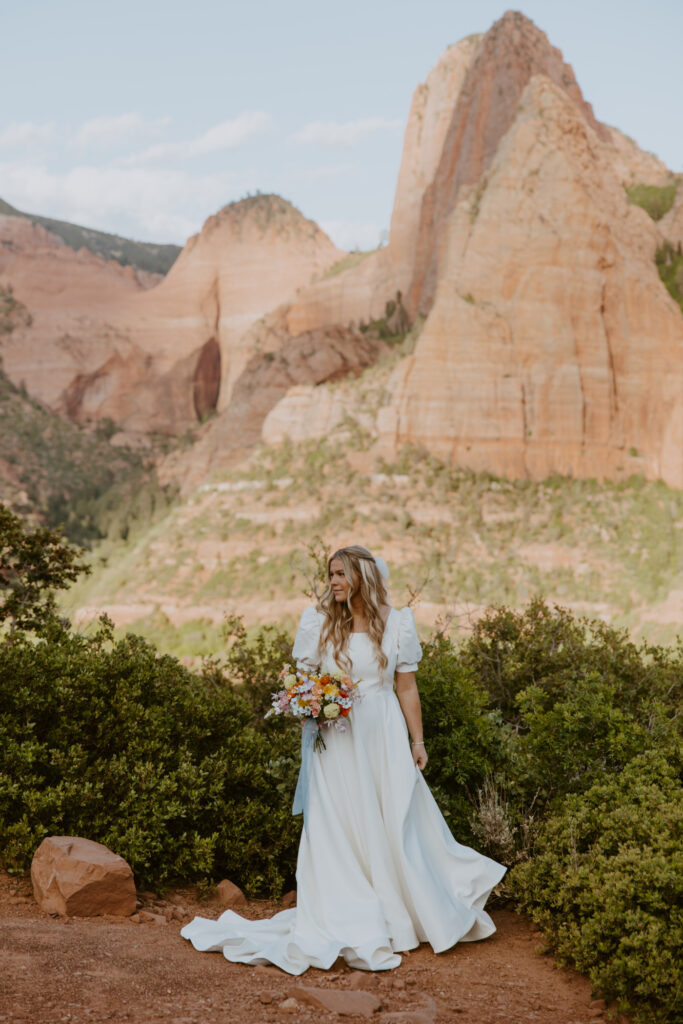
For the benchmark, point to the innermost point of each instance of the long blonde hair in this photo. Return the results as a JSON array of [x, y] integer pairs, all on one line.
[[365, 578]]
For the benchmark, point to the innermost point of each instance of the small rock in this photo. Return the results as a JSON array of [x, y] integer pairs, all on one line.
[[77, 876], [265, 998], [289, 899], [344, 1002], [151, 918], [398, 984], [598, 1004], [135, 918], [289, 1005], [363, 980], [230, 895]]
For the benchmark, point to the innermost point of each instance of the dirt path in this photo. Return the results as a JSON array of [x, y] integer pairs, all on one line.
[[89, 970]]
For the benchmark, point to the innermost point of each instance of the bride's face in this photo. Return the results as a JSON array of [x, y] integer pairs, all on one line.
[[338, 581]]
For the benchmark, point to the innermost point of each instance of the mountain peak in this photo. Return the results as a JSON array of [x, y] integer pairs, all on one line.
[[509, 55]]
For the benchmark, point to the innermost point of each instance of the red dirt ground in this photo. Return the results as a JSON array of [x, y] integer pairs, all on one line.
[[80, 970]]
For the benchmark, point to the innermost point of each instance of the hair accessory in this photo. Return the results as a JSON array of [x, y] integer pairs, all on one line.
[[383, 567]]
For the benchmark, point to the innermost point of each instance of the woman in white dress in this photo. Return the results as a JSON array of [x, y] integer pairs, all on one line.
[[378, 870]]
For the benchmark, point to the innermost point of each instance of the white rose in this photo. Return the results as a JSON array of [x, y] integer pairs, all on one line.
[[290, 681], [331, 710]]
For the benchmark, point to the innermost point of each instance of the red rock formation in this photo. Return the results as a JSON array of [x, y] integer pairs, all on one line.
[[313, 357], [153, 360], [511, 52], [552, 345]]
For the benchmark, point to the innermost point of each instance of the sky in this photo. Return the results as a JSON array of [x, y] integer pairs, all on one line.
[[143, 118]]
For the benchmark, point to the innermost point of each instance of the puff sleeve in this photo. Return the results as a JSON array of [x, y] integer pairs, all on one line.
[[409, 650], [305, 650]]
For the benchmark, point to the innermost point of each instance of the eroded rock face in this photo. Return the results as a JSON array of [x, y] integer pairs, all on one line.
[[552, 345], [511, 52], [313, 357], [633, 165], [102, 344], [248, 259], [81, 878]]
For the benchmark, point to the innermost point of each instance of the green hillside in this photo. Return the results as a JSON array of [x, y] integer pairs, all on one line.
[[466, 540], [158, 259], [55, 472]]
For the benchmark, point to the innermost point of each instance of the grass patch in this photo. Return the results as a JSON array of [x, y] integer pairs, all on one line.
[[352, 259], [655, 200]]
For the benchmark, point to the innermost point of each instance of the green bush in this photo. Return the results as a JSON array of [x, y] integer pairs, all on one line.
[[170, 770], [552, 740], [462, 731], [606, 884]]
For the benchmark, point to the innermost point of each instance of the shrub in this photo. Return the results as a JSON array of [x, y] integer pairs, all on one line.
[[111, 741], [462, 732], [606, 882]]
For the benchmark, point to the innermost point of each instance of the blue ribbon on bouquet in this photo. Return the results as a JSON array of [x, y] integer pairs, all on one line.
[[308, 733]]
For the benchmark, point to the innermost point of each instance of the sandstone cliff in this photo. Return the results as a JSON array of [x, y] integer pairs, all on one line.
[[102, 344], [68, 295], [552, 345]]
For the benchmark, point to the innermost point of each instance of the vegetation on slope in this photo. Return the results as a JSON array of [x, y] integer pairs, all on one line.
[[59, 473], [670, 266], [158, 259], [656, 200], [613, 549]]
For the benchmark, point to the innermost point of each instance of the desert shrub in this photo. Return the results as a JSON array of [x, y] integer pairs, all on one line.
[[606, 881], [109, 740], [462, 732]]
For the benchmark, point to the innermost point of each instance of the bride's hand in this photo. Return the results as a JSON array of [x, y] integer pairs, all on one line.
[[420, 757]]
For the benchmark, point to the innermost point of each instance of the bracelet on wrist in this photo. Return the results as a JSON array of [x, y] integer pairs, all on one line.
[[418, 743]]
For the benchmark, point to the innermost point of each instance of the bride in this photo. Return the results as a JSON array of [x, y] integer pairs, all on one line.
[[378, 870]]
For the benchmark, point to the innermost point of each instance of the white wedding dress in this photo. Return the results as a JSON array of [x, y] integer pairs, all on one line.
[[378, 870]]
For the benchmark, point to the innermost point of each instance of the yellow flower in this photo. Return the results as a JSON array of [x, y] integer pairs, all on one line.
[[331, 711], [290, 681], [331, 691]]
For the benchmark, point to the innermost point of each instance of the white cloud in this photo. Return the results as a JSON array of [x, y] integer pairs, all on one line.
[[120, 130], [142, 203], [346, 133], [351, 235], [222, 136], [27, 134]]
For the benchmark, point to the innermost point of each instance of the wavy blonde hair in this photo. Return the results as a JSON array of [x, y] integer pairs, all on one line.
[[362, 573]]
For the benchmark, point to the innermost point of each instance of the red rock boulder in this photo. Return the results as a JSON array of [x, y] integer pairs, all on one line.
[[81, 878]]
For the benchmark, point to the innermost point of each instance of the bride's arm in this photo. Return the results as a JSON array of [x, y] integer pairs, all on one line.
[[409, 699]]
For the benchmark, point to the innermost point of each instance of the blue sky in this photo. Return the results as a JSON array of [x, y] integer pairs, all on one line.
[[145, 117]]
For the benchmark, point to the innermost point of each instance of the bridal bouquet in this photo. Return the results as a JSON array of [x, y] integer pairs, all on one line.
[[325, 699]]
